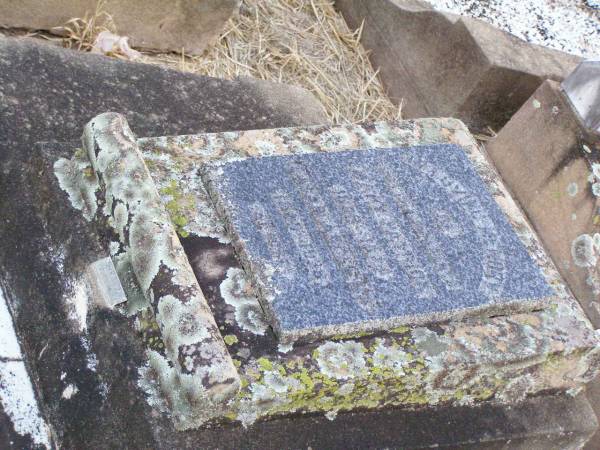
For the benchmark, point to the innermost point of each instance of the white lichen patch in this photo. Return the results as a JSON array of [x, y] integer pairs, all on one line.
[[76, 303], [285, 348], [248, 312], [69, 391], [583, 251], [390, 357], [331, 415], [341, 360], [19, 403], [182, 396], [572, 189], [77, 178], [275, 381]]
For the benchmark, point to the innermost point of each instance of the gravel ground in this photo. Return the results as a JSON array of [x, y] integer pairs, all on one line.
[[572, 26]]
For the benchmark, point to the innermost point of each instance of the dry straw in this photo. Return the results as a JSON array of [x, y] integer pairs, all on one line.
[[81, 32], [306, 43], [301, 42]]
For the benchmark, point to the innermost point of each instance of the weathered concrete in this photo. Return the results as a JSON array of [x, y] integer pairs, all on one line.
[[441, 64], [48, 93], [374, 372], [551, 163], [102, 361], [188, 25]]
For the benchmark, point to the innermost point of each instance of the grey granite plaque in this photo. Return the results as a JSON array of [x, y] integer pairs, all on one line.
[[354, 241]]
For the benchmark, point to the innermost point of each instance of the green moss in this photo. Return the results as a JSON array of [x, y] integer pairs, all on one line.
[[150, 331]]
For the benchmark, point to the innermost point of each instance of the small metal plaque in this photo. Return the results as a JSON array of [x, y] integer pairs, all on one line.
[[108, 291], [351, 241]]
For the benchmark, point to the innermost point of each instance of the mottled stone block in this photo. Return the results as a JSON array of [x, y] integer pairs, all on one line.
[[552, 167], [347, 242], [506, 357]]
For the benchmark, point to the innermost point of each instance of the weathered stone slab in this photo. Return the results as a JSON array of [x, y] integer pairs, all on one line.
[[464, 363], [464, 360], [348, 242], [551, 163], [441, 64], [188, 25]]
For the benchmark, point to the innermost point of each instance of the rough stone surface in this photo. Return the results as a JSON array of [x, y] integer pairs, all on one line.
[[552, 166], [320, 236], [582, 88], [441, 64], [189, 25], [49, 94]]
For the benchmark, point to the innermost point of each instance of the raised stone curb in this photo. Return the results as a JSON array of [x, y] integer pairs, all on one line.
[[203, 372], [187, 26], [549, 156], [443, 65]]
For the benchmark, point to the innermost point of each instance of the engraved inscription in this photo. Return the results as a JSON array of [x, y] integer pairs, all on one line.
[[371, 236]]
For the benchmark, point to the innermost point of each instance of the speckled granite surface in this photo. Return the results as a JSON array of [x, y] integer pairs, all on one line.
[[364, 240]]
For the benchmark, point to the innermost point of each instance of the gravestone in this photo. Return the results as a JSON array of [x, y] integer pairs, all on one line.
[[367, 240], [414, 385]]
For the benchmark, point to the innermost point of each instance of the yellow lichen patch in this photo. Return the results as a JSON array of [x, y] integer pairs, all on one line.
[[179, 206], [150, 331], [231, 339]]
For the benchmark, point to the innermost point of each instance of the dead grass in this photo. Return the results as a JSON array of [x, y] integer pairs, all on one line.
[[305, 43], [301, 42], [80, 33]]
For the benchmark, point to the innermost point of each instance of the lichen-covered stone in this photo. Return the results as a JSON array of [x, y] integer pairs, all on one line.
[[459, 362]]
